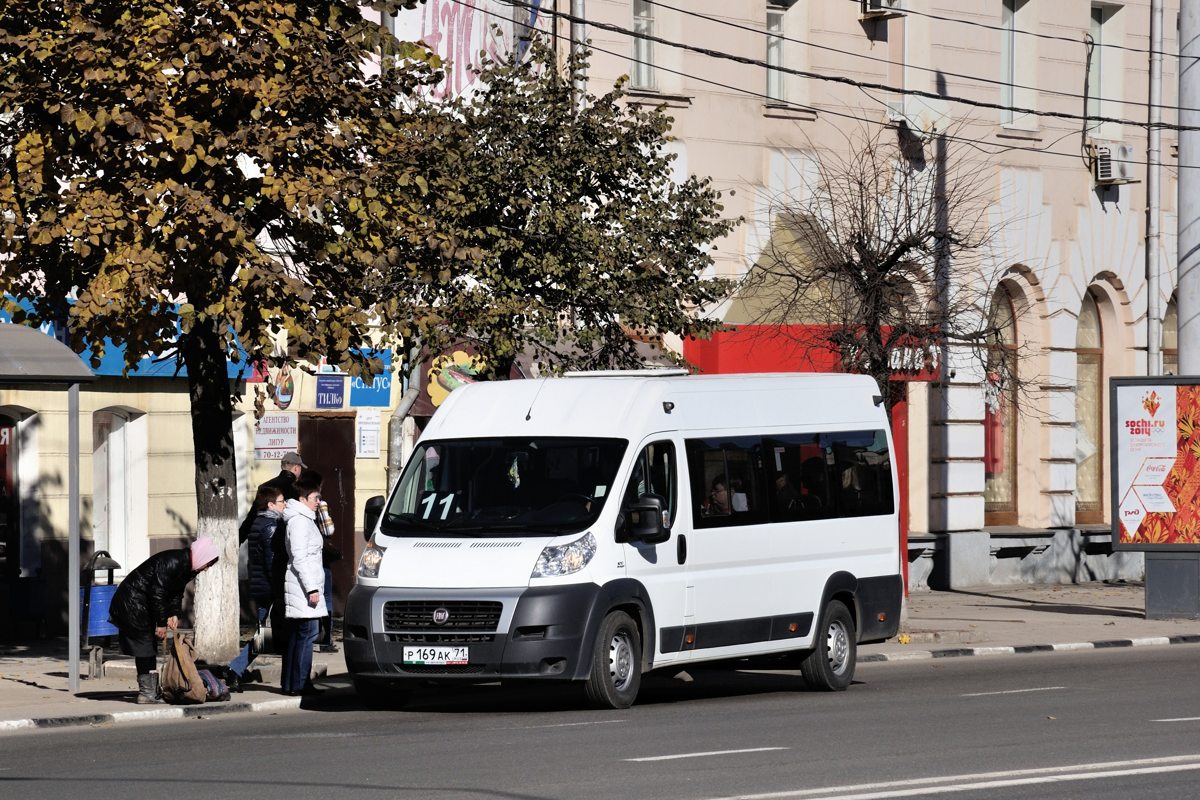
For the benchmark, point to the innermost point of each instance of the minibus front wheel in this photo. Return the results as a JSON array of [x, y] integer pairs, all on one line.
[[830, 665], [616, 672]]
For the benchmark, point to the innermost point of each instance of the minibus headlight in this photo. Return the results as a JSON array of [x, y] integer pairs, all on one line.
[[372, 557], [564, 559]]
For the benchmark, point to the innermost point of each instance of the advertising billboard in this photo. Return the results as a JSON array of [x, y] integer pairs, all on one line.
[[1155, 460]]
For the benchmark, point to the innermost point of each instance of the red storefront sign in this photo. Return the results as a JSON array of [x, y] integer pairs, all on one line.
[[796, 348]]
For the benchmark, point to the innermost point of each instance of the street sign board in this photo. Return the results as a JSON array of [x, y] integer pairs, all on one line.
[[1155, 462]]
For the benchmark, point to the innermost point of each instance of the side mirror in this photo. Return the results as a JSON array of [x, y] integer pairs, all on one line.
[[371, 514], [644, 521]]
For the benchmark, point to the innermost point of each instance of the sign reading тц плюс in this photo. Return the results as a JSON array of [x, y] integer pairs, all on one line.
[[1155, 463]]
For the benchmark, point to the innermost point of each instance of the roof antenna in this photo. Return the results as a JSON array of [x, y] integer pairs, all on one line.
[[529, 413]]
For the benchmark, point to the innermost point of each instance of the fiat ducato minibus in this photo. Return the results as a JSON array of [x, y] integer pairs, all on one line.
[[598, 526]]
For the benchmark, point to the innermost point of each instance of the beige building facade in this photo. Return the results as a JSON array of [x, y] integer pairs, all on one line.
[[1004, 483]]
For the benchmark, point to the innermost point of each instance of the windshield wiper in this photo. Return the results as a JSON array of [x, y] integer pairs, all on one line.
[[532, 527], [399, 522]]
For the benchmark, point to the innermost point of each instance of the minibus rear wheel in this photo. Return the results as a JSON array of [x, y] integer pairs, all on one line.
[[830, 665], [616, 671]]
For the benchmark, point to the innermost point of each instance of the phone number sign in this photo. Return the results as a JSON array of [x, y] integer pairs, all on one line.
[[276, 434]]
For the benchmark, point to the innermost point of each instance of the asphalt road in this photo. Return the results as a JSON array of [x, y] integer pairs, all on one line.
[[1117, 724]]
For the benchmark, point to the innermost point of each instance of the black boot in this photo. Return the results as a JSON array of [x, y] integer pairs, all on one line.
[[148, 690]]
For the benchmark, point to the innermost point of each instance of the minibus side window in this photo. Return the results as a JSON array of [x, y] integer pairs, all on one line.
[[726, 481], [799, 484], [860, 471], [654, 473]]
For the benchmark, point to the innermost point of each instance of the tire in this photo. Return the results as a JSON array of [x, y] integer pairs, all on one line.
[[830, 665], [616, 673], [381, 695]]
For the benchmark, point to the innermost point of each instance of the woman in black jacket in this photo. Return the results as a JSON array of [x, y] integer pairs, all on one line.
[[148, 602]]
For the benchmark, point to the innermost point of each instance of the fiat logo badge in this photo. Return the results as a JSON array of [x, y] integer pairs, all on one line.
[[441, 616]]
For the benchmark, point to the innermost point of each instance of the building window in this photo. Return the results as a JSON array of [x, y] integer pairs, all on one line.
[[1095, 76], [1000, 416], [775, 91], [643, 76], [1089, 415], [1008, 58]]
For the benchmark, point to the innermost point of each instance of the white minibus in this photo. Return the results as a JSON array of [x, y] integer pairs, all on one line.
[[598, 526]]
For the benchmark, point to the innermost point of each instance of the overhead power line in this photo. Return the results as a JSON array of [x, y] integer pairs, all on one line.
[[1048, 36], [880, 60], [991, 149], [841, 79]]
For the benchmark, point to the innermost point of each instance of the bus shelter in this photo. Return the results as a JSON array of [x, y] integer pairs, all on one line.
[[30, 358]]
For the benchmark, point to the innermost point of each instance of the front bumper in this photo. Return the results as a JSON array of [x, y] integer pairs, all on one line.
[[543, 633]]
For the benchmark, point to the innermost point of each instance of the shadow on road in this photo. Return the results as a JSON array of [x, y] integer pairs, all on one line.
[[549, 698]]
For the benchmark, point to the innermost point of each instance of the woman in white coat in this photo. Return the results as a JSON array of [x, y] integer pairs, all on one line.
[[302, 587]]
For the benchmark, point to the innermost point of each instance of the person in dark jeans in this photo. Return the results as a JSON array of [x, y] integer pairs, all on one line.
[[329, 554], [268, 518], [303, 584]]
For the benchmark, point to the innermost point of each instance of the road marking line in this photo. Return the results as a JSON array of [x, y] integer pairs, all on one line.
[[1177, 719], [707, 754], [984, 780], [1014, 691], [570, 724], [309, 735]]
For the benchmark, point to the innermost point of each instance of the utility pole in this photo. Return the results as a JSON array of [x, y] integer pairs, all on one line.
[[1171, 573], [578, 45], [1153, 174], [1189, 188]]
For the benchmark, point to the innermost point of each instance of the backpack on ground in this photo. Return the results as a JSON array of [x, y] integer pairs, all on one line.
[[179, 680]]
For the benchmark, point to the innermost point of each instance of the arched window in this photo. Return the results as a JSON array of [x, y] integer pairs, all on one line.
[[1170, 339], [1000, 415], [1089, 414]]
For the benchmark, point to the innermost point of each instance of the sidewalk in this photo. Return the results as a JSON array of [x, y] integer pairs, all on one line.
[[988, 621]]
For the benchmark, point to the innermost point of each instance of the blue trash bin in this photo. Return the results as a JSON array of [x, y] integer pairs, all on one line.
[[95, 599], [97, 602]]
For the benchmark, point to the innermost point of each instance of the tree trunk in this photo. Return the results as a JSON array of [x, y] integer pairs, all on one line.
[[217, 605]]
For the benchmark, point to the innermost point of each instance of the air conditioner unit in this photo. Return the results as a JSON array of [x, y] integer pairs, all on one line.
[[882, 9], [1113, 164]]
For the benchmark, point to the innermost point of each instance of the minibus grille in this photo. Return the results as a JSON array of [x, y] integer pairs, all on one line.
[[419, 615]]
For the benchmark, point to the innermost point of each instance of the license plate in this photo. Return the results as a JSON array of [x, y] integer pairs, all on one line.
[[435, 656]]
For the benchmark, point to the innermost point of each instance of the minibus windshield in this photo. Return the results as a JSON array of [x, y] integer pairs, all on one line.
[[503, 486]]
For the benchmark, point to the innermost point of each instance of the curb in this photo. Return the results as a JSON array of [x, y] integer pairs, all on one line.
[[155, 714], [952, 652]]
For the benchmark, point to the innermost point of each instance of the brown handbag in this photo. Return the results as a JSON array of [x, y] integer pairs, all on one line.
[[179, 680]]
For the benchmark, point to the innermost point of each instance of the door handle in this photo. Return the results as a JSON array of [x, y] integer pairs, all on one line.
[[681, 548]]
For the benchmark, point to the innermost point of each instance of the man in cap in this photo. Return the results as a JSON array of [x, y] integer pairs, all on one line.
[[293, 465]]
